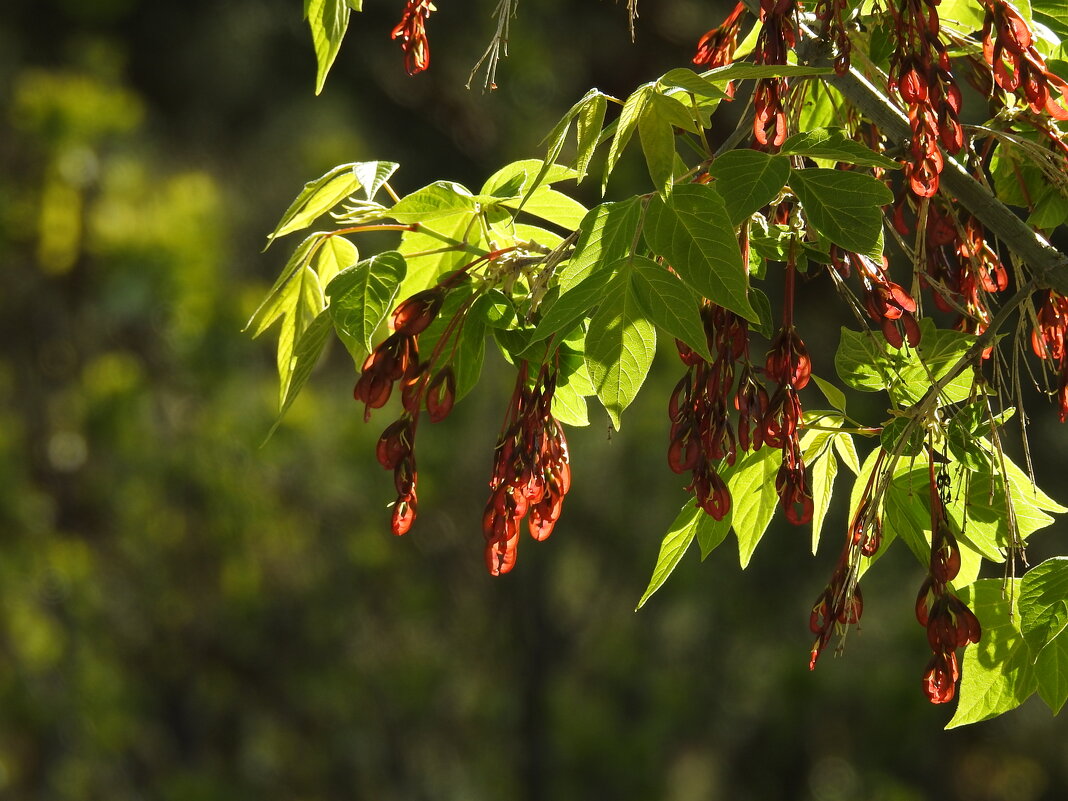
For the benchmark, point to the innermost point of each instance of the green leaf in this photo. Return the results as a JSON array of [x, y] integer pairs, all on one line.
[[843, 443], [572, 306], [748, 180], [372, 175], [556, 207], [625, 125], [302, 306], [740, 71], [672, 548], [439, 199], [1043, 602], [693, 231], [620, 345], [328, 20], [518, 178], [428, 258], [711, 532], [1051, 671], [273, 306], [844, 206], [833, 144], [360, 298], [895, 430], [606, 235], [558, 135], [1053, 14], [669, 303], [753, 498], [692, 82], [762, 306], [831, 393], [823, 473], [588, 133], [996, 672], [569, 406], [864, 362], [304, 357], [658, 144], [317, 198]]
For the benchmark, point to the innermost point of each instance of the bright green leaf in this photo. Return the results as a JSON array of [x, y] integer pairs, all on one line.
[[317, 198], [606, 235], [823, 473], [845, 206], [373, 174], [833, 144], [439, 199], [669, 303], [620, 345], [658, 145], [328, 20], [672, 548], [748, 180], [588, 133], [831, 393], [753, 498], [625, 125], [996, 672], [1043, 602], [361, 296], [1051, 671], [693, 231]]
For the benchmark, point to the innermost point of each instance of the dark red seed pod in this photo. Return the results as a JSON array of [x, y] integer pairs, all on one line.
[[395, 443], [415, 314], [441, 394], [404, 511]]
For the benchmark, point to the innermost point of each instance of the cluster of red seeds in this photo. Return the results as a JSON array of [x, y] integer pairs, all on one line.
[[1049, 340], [832, 14], [1017, 66], [531, 472], [411, 30], [789, 366], [701, 432], [776, 38], [920, 75], [841, 603], [716, 48], [886, 303], [396, 359], [950, 623]]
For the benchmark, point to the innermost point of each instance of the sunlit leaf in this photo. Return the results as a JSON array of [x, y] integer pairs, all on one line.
[[845, 206], [996, 673], [693, 231], [748, 180], [672, 548]]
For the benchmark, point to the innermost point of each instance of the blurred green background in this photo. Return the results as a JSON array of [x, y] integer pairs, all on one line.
[[186, 615]]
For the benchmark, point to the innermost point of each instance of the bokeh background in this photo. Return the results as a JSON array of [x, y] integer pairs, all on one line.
[[187, 615]]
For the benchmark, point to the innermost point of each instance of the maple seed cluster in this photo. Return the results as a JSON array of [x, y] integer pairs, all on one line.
[[950, 623], [411, 30], [1049, 341], [716, 48], [886, 303], [396, 359], [920, 74], [531, 472], [701, 433], [789, 366], [841, 603], [777, 37], [1017, 66]]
